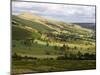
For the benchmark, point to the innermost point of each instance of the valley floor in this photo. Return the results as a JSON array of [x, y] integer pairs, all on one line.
[[50, 65]]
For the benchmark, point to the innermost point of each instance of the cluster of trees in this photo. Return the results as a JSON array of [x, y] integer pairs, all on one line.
[[67, 54], [19, 57], [78, 56], [63, 37]]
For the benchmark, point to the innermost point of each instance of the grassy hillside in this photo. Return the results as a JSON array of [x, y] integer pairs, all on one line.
[[32, 24], [19, 33], [35, 39]]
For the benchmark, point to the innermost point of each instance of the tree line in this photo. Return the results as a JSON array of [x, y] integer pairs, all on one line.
[[71, 56]]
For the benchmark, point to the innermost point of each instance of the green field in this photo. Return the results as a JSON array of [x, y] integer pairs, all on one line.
[[45, 45], [47, 65]]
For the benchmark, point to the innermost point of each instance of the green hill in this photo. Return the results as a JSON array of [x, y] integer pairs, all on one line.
[[32, 24], [43, 45], [19, 33], [49, 31]]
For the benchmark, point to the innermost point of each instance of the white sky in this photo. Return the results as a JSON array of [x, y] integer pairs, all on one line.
[[67, 13]]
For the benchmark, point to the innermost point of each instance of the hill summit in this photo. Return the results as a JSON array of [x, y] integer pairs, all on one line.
[[29, 16]]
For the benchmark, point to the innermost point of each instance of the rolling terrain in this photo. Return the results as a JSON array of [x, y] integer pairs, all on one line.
[[87, 25], [36, 38]]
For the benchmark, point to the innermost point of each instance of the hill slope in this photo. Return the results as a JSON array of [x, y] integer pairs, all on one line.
[[49, 27], [87, 25]]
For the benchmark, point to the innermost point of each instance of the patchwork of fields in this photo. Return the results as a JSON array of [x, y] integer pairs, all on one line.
[[45, 45]]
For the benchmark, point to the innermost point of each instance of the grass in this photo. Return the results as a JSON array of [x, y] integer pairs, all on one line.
[[46, 50], [38, 49], [32, 24], [22, 34], [34, 66]]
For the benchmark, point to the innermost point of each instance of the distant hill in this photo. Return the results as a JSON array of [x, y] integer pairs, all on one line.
[[87, 25]]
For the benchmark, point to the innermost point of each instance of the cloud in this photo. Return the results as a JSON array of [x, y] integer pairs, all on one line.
[[68, 13]]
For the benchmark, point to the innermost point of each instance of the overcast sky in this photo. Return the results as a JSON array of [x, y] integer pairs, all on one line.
[[67, 13]]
